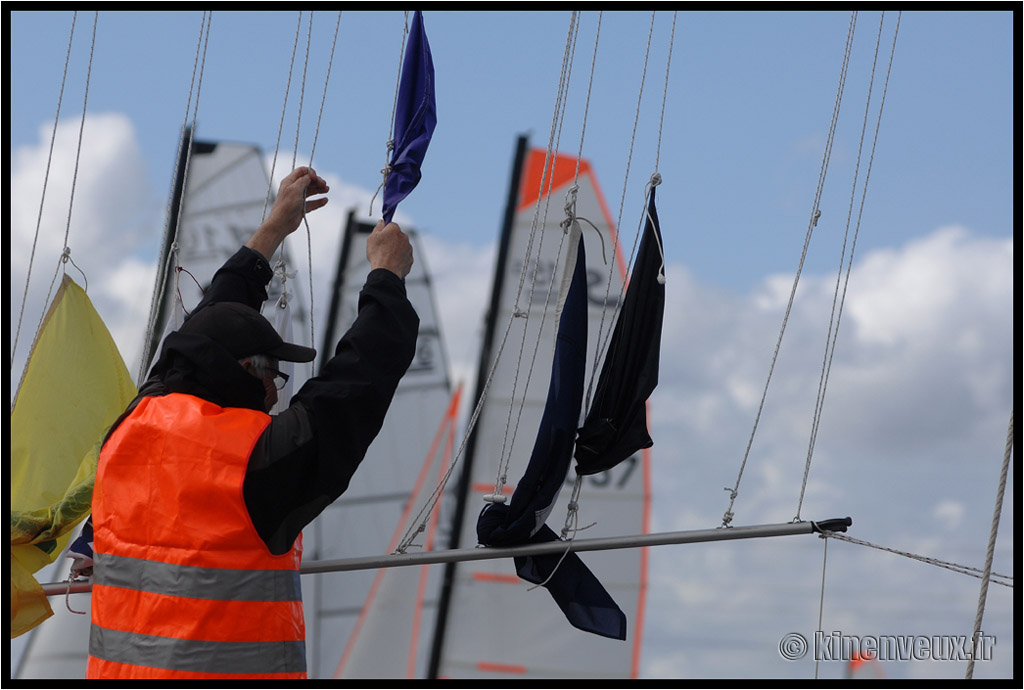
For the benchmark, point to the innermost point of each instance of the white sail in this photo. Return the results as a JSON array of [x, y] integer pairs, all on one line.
[[391, 636], [225, 200], [494, 627], [224, 195], [384, 493]]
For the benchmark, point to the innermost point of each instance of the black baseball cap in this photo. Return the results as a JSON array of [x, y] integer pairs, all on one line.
[[243, 332]]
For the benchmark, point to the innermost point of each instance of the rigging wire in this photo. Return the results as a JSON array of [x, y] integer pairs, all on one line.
[[664, 95], [836, 317], [78, 157], [390, 142], [590, 86], [66, 253], [570, 222], [283, 301], [188, 151], [302, 90], [543, 201], [604, 336], [548, 172], [46, 179], [821, 600], [280, 267], [312, 150], [990, 552], [618, 224], [1005, 580], [171, 233], [815, 213], [284, 109], [323, 97]]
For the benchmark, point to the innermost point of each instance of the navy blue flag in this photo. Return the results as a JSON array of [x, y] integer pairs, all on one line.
[[415, 118], [583, 599], [616, 424]]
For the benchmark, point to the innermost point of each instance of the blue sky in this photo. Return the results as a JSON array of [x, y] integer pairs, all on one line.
[[917, 413], [749, 103]]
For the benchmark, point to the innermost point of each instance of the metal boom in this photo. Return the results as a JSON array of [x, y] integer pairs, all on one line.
[[578, 545]]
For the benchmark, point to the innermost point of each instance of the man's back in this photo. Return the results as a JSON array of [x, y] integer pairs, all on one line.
[[184, 584]]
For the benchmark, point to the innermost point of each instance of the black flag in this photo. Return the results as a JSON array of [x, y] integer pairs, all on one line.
[[582, 598], [616, 424]]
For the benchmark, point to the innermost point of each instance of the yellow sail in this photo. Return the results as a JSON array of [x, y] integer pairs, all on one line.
[[75, 386]]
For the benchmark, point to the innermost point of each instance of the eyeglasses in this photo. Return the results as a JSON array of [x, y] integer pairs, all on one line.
[[280, 378]]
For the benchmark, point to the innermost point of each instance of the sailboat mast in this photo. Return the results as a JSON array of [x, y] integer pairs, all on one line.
[[158, 316], [465, 478]]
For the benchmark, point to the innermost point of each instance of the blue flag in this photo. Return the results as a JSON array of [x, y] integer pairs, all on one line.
[[415, 118]]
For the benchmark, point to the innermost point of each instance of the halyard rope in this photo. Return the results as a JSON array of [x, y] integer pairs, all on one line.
[[46, 179], [66, 253], [734, 490], [990, 553], [836, 317]]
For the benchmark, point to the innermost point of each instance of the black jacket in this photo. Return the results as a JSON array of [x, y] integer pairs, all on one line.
[[307, 455]]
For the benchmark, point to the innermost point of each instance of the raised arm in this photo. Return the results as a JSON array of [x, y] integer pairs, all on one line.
[[307, 455], [244, 277], [291, 205]]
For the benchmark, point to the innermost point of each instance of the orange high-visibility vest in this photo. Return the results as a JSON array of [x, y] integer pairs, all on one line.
[[184, 587]]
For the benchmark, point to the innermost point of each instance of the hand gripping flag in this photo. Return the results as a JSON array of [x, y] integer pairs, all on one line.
[[415, 119]]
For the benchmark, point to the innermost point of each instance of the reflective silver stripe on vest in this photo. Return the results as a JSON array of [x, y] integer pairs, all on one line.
[[174, 654], [222, 584]]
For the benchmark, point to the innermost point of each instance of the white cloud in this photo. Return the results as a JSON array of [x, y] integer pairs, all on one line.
[[126, 289], [911, 436], [112, 210], [950, 513], [109, 185], [906, 295]]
